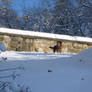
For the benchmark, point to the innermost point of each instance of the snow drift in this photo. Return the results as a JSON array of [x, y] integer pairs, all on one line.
[[69, 72]]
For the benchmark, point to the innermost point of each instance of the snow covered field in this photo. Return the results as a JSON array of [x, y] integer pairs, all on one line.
[[47, 72]]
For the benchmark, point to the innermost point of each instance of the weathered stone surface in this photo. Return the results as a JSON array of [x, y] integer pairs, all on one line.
[[1, 38], [16, 43], [21, 43], [7, 41]]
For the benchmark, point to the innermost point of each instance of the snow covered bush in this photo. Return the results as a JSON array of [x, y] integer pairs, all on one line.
[[13, 87]]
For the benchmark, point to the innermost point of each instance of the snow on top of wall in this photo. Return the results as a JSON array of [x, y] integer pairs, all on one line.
[[46, 35]]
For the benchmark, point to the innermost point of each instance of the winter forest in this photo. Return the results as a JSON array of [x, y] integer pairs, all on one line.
[[69, 17]]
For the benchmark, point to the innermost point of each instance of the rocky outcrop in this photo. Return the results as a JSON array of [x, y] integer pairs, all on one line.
[[33, 44]]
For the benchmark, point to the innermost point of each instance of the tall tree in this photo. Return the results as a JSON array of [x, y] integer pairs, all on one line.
[[8, 17], [74, 14]]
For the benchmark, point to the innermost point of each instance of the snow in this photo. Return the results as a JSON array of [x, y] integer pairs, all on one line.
[[46, 35], [69, 72]]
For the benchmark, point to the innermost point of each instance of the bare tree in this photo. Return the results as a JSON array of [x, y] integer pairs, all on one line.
[[74, 14], [8, 17]]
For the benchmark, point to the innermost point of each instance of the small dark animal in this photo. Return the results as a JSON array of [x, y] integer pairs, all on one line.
[[54, 48], [57, 48]]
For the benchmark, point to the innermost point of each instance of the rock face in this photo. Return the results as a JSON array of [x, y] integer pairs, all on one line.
[[33, 44]]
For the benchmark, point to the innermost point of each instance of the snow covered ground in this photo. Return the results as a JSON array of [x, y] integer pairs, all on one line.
[[47, 72]]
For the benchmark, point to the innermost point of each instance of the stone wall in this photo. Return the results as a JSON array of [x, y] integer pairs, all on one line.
[[34, 44]]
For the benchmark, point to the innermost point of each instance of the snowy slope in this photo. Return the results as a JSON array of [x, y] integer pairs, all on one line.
[[46, 35], [69, 72], [85, 57]]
